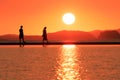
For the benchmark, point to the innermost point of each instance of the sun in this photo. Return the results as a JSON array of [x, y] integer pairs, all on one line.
[[68, 18]]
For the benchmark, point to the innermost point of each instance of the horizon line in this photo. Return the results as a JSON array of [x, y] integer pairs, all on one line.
[[62, 43]]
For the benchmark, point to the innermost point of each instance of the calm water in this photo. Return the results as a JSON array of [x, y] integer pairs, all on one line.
[[60, 62]]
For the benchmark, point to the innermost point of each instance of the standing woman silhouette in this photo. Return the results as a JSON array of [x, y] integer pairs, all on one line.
[[44, 35], [21, 36]]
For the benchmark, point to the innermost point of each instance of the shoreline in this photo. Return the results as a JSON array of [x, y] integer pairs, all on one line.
[[62, 43]]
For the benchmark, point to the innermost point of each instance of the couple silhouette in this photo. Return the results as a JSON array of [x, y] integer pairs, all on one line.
[[21, 36]]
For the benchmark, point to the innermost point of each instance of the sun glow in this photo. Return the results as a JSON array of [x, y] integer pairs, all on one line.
[[68, 67], [68, 18], [69, 46]]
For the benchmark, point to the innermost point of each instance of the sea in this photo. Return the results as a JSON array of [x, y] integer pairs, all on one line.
[[60, 62]]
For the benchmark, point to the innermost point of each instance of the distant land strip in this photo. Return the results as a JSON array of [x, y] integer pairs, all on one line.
[[62, 43]]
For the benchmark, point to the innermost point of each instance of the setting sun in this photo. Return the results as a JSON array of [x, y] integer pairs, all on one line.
[[68, 18]]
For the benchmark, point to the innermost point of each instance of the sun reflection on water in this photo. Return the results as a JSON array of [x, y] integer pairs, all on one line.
[[68, 67]]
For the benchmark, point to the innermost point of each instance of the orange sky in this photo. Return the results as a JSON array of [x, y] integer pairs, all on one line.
[[35, 14]]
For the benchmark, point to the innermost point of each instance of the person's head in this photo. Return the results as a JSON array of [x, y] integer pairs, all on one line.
[[21, 26], [45, 27]]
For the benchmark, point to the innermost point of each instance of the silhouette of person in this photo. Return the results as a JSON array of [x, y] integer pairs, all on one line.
[[44, 35], [21, 36]]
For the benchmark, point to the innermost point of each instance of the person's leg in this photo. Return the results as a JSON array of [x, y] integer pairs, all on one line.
[[20, 41], [23, 41]]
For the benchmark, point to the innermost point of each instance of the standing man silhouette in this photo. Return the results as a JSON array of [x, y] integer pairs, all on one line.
[[21, 36], [44, 35]]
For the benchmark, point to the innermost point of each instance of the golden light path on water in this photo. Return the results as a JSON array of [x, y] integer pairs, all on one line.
[[68, 67]]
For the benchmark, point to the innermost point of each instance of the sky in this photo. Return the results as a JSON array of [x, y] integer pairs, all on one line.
[[35, 14]]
